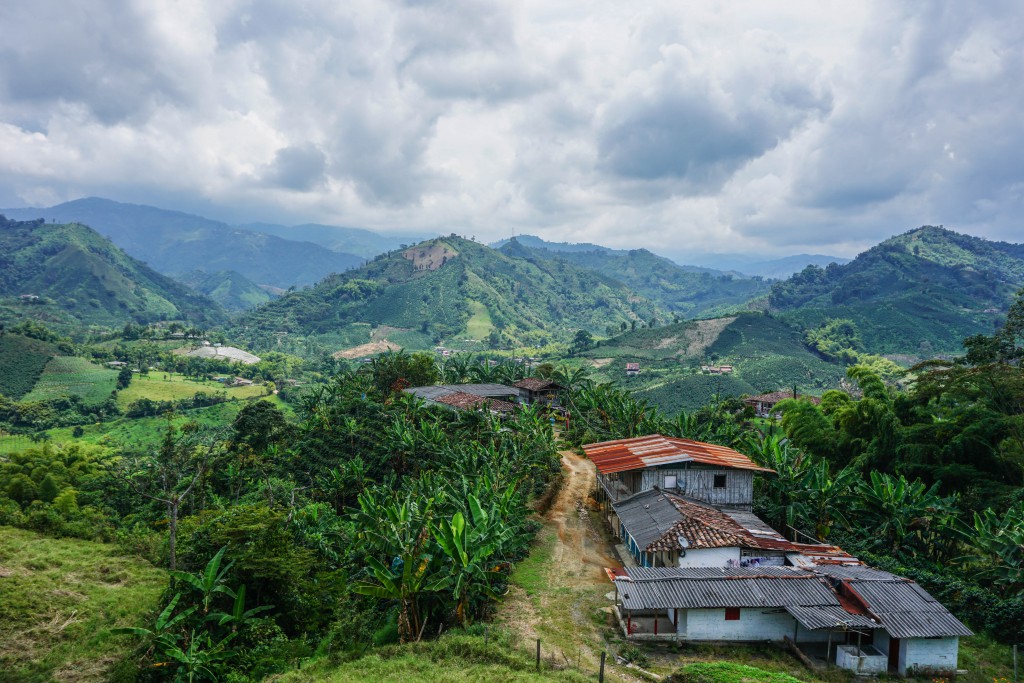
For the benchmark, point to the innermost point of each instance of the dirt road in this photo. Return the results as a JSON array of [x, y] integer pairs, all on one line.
[[560, 591]]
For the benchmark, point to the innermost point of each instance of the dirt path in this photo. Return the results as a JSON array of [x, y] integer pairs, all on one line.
[[559, 592]]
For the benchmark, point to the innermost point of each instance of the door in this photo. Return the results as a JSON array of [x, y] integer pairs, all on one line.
[[894, 654]]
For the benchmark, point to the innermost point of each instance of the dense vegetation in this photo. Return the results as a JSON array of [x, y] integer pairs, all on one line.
[[681, 291], [921, 292], [230, 289]]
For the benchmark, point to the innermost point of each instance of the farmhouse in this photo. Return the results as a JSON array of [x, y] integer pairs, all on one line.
[[632, 369], [535, 390], [764, 404], [702, 471], [855, 617]]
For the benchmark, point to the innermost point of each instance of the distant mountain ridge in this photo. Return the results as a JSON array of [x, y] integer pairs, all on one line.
[[364, 243], [927, 289], [685, 292], [71, 274], [230, 289], [173, 242]]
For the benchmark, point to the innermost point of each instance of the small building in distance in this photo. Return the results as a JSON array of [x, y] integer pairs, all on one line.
[[764, 404], [632, 369]]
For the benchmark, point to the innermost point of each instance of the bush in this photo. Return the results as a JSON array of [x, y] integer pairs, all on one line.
[[632, 654]]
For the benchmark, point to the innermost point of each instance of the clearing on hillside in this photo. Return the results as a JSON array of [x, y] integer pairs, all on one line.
[[364, 350], [430, 256]]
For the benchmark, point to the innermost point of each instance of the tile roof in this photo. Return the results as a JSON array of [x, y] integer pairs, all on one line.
[[466, 401], [536, 384], [650, 451]]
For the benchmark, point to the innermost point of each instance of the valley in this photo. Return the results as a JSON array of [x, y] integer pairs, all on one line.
[[222, 445]]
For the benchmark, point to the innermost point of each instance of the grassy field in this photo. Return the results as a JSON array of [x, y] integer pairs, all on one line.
[[479, 324], [139, 432], [68, 375], [456, 657], [163, 386], [59, 598]]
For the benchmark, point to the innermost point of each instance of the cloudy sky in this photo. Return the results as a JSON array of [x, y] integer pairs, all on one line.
[[740, 126]]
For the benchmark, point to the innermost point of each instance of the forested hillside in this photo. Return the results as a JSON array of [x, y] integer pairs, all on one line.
[[449, 289], [70, 274], [920, 292], [685, 292], [229, 288]]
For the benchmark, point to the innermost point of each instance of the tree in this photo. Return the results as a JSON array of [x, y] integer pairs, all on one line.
[[168, 476], [582, 341], [124, 377]]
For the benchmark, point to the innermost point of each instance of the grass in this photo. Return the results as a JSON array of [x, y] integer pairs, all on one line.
[[728, 672], [163, 386], [530, 574], [69, 375], [58, 602], [479, 324], [456, 657]]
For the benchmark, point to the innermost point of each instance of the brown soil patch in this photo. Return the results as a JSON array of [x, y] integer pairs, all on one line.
[[381, 332], [601, 362], [364, 350], [430, 256], [703, 334]]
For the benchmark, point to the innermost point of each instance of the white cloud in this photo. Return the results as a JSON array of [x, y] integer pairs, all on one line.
[[743, 126]]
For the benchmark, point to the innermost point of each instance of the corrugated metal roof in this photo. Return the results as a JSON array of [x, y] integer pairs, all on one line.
[[653, 450], [432, 393], [689, 589], [647, 516], [536, 384], [907, 610], [829, 616], [862, 572]]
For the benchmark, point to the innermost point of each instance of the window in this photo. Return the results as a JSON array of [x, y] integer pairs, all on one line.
[[719, 481], [670, 481], [732, 613]]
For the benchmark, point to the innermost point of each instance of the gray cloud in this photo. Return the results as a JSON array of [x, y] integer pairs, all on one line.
[[769, 127]]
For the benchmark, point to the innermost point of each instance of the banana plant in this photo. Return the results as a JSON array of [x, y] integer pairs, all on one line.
[[238, 615], [210, 581], [470, 549], [164, 633]]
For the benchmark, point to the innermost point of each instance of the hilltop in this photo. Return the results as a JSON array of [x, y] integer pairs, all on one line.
[[685, 291], [451, 289], [925, 290], [173, 242], [70, 274]]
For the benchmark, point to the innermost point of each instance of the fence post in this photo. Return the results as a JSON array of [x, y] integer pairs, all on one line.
[[485, 635], [600, 673], [538, 654], [1014, 663]]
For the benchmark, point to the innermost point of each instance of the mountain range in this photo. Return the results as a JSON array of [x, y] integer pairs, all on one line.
[[72, 275], [175, 243]]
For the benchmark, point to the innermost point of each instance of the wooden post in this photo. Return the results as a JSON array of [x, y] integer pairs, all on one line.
[[486, 629], [538, 654], [828, 648], [1014, 663], [655, 622], [600, 673]]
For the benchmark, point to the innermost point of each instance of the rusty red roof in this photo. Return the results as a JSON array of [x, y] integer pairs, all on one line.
[[650, 451], [466, 401], [536, 384]]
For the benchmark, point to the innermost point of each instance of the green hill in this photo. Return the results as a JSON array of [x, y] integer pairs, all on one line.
[[364, 243], [765, 354], [175, 242], [229, 288], [70, 274], [922, 291], [687, 292], [450, 289]]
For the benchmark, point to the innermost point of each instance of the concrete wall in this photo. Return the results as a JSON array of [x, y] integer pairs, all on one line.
[[709, 557], [847, 657], [754, 624], [928, 655]]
